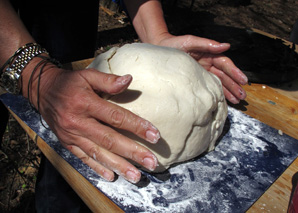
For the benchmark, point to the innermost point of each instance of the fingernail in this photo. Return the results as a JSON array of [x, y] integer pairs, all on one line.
[[242, 76], [244, 79], [133, 176], [242, 94], [150, 163], [124, 79], [225, 44], [152, 136], [233, 100], [107, 176], [220, 45]]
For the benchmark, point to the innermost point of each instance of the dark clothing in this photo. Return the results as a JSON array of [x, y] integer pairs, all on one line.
[[68, 30], [294, 33], [3, 120], [53, 194]]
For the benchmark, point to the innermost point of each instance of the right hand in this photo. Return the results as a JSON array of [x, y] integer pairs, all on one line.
[[82, 121], [209, 54]]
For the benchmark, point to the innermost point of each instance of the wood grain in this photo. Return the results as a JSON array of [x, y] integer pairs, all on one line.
[[93, 198], [277, 106], [272, 108], [277, 197]]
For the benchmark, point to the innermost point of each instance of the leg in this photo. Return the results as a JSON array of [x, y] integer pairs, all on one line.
[[52, 192], [294, 33], [3, 120]]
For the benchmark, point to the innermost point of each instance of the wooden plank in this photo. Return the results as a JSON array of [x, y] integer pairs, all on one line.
[[93, 198], [277, 197], [275, 37], [78, 65], [277, 106], [272, 108]]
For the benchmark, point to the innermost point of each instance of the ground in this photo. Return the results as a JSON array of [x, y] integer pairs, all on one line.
[[19, 157]]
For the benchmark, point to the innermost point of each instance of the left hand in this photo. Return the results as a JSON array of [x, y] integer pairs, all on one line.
[[208, 53]]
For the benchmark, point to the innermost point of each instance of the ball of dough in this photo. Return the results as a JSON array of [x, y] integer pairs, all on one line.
[[172, 91]]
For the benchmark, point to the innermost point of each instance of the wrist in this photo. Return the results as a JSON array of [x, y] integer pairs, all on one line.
[[11, 70], [37, 78], [161, 38]]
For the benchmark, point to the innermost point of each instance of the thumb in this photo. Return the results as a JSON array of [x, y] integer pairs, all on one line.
[[107, 83], [204, 45]]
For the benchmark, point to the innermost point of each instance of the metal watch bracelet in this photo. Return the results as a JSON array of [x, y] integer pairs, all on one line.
[[15, 65]]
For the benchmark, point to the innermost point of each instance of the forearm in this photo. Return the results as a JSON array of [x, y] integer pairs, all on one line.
[[148, 21], [13, 33]]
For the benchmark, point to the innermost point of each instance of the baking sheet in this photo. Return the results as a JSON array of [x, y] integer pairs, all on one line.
[[248, 158]]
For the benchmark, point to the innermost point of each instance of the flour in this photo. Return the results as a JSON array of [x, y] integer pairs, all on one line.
[[249, 157], [225, 180]]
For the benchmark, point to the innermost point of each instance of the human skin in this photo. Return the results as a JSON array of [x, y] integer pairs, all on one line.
[[81, 119], [151, 28]]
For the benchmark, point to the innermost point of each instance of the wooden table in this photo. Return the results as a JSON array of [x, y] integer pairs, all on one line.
[[276, 107]]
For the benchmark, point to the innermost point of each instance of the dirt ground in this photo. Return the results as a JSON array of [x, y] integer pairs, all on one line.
[[19, 157]]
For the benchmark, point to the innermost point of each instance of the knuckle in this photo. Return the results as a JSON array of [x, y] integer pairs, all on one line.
[[135, 156], [68, 122], [118, 169], [108, 141], [141, 126], [95, 153], [107, 78], [117, 118], [84, 158], [220, 75], [80, 99]]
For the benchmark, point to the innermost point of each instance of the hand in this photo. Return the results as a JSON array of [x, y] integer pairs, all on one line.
[[208, 53], [71, 106]]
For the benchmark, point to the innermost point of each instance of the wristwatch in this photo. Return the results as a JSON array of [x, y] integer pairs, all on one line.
[[10, 81], [10, 78]]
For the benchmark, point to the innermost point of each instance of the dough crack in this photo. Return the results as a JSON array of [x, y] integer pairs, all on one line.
[[108, 60]]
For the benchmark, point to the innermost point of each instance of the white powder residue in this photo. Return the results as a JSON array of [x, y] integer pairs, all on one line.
[[249, 157], [244, 163], [178, 194], [247, 132], [219, 179]]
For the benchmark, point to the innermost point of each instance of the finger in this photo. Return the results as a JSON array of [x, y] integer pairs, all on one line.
[[230, 97], [205, 45], [105, 173], [94, 153], [121, 118], [235, 91], [225, 64], [108, 83], [114, 142]]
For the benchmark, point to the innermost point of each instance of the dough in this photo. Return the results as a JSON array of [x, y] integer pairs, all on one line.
[[171, 90]]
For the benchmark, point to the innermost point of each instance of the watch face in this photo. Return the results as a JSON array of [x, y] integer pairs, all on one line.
[[9, 82]]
